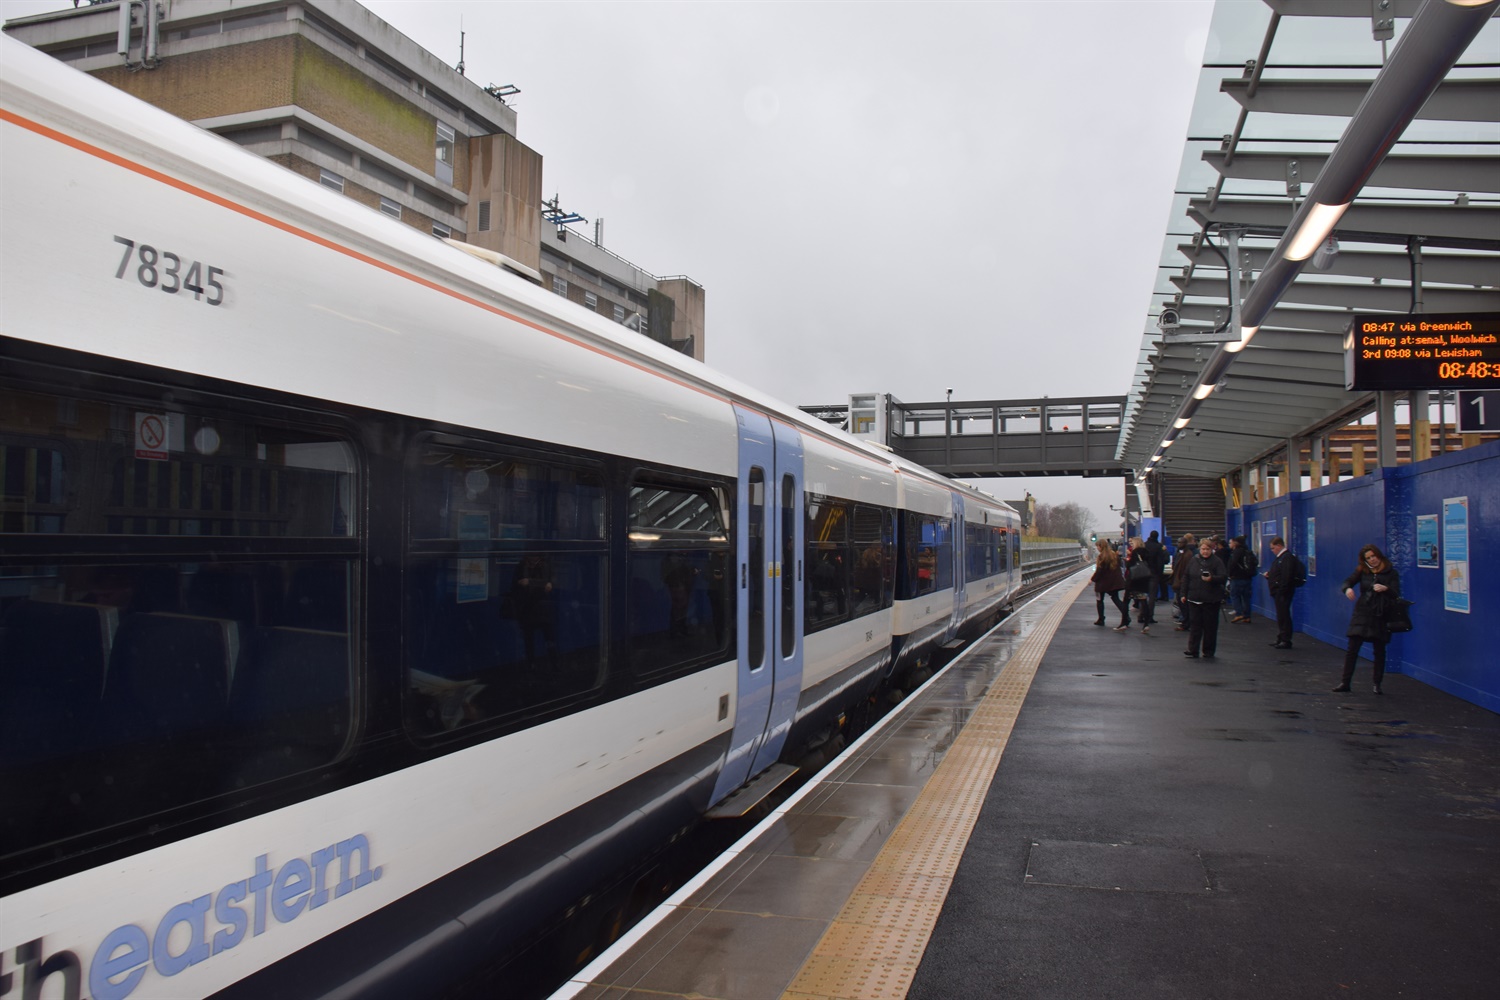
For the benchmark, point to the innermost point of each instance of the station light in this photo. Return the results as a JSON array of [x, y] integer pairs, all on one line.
[[1180, 423], [1236, 346], [1204, 391], [1315, 229]]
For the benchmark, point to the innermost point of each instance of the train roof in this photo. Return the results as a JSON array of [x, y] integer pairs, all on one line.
[[84, 110]]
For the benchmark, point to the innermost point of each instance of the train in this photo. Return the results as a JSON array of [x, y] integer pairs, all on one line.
[[363, 603]]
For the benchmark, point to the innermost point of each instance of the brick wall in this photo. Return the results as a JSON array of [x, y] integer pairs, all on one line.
[[222, 81]]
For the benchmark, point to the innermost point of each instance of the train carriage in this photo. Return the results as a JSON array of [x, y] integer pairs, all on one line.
[[363, 606]]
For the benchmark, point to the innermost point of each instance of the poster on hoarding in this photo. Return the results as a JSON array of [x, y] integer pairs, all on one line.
[[1312, 547], [1427, 541], [1456, 554]]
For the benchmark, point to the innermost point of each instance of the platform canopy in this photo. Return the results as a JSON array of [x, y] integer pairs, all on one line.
[[1298, 104]]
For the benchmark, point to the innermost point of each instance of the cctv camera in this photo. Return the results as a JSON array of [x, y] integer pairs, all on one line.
[[1169, 320]]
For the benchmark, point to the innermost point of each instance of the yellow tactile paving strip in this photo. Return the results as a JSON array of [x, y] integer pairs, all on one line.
[[872, 949]]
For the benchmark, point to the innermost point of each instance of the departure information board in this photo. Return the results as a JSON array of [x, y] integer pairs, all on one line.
[[1424, 351]]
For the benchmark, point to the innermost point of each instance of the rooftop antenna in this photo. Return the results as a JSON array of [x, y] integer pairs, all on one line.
[[559, 216], [460, 45]]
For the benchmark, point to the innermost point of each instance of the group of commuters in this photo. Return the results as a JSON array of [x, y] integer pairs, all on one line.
[[1205, 573]]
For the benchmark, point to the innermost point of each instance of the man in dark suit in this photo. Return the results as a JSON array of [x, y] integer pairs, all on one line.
[[1281, 579]]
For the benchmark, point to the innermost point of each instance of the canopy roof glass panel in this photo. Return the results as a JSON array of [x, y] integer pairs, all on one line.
[[1281, 82]]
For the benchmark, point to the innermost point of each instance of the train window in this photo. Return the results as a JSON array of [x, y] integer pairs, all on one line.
[[942, 534], [791, 574], [850, 559], [872, 535], [176, 598], [756, 583], [681, 597], [827, 570], [928, 555], [981, 555], [505, 585]]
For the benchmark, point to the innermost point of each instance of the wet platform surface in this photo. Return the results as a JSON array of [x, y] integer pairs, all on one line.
[[1156, 827]]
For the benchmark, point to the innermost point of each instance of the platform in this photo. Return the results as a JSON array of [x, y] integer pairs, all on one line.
[[1156, 827]]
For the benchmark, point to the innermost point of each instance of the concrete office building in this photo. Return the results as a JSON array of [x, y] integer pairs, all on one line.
[[332, 92]]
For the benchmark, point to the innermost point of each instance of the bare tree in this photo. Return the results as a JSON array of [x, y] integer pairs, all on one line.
[[1064, 520]]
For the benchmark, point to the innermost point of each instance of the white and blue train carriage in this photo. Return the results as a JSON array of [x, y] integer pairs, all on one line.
[[363, 606]]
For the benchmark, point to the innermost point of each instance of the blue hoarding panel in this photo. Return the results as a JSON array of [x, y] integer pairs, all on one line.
[[1437, 520]]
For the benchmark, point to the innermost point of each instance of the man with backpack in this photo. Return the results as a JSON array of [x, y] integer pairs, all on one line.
[[1242, 567], [1283, 578]]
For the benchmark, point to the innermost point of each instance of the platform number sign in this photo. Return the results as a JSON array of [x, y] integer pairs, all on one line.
[[1478, 411]]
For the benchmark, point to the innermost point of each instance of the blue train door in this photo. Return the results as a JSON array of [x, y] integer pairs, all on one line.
[[786, 658], [762, 716], [960, 559]]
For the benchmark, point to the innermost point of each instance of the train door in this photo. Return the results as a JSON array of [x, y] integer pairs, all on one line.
[[960, 559], [762, 718], [791, 595]]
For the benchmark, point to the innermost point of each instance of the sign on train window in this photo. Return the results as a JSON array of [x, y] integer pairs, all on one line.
[[505, 585], [177, 586]]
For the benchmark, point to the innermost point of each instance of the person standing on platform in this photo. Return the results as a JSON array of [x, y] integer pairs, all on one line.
[[1186, 546], [1141, 582], [1242, 567], [1284, 576], [1373, 586], [1108, 579], [1168, 561], [1205, 575], [1156, 555]]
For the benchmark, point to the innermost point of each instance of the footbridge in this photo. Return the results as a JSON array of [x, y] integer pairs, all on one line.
[[993, 438]]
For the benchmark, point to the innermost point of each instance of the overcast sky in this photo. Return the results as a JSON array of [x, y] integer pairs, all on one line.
[[891, 197]]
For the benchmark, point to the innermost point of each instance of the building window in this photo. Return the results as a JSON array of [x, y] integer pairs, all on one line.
[[443, 171], [560, 286], [619, 314], [390, 208], [591, 300], [329, 179], [484, 216], [441, 231]]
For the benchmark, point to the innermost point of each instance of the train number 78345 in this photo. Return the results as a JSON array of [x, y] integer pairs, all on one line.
[[163, 269]]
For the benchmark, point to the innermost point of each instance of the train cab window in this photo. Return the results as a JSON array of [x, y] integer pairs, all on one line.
[[177, 591], [505, 587], [681, 587]]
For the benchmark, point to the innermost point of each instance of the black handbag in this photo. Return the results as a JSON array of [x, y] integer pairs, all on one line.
[[1398, 615]]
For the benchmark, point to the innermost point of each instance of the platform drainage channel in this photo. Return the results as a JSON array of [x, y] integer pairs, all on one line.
[[1122, 867]]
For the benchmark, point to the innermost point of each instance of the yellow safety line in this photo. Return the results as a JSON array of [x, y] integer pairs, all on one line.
[[873, 947]]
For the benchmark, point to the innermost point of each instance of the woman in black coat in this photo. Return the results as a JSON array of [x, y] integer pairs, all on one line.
[[1108, 579], [1373, 586]]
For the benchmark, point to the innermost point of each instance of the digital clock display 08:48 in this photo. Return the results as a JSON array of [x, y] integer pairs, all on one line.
[[1473, 369]]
